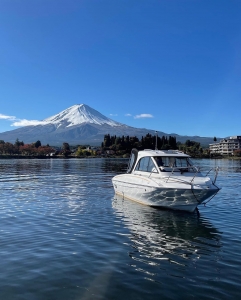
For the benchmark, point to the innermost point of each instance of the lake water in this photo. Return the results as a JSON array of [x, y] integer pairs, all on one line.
[[65, 235]]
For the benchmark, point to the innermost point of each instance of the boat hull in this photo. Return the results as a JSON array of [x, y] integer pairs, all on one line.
[[185, 197]]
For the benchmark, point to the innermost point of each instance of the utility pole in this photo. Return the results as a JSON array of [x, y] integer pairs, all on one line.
[[156, 141]]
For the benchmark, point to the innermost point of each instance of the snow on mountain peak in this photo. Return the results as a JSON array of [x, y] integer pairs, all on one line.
[[78, 114]]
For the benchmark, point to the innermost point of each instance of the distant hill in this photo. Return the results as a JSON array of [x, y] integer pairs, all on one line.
[[81, 124]]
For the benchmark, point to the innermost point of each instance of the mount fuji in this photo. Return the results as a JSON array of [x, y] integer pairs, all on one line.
[[80, 124], [78, 115]]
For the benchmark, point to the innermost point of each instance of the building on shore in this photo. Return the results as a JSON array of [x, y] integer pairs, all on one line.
[[226, 146]]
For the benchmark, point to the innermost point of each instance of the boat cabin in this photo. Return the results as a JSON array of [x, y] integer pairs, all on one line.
[[156, 161]]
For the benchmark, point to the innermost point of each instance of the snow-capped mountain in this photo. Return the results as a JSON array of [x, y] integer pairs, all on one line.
[[79, 114], [80, 125]]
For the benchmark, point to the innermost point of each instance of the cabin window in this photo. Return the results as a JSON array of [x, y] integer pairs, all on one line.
[[159, 161], [168, 161], [181, 162], [146, 164], [177, 162], [151, 166]]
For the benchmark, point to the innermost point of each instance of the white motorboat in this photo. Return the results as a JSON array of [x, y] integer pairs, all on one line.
[[165, 178]]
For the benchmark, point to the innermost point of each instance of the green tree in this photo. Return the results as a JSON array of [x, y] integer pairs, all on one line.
[[66, 149], [18, 143], [107, 140], [9, 148], [37, 144], [79, 152]]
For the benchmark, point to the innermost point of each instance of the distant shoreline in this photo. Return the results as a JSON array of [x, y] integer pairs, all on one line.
[[92, 157], [54, 157], [39, 157]]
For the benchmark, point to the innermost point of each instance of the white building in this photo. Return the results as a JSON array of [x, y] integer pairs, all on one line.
[[226, 146]]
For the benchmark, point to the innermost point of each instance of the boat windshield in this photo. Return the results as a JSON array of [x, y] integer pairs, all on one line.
[[173, 162]]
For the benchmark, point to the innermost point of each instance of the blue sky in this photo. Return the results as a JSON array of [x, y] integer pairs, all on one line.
[[167, 65]]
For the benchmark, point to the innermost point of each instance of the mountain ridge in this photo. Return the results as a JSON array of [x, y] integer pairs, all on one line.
[[81, 124]]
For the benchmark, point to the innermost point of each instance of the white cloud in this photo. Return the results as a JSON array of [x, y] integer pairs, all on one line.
[[20, 122], [113, 115], [143, 116], [4, 117], [128, 115], [24, 122]]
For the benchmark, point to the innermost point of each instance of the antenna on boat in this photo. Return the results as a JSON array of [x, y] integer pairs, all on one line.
[[156, 141]]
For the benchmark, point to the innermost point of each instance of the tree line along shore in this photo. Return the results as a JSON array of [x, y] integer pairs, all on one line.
[[112, 146]]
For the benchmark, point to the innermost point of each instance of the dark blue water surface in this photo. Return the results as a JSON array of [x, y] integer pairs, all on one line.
[[65, 235]]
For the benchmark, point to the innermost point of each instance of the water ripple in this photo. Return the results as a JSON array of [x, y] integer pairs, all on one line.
[[64, 235]]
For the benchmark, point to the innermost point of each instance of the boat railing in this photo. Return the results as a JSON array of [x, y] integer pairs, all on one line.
[[216, 170], [197, 171], [179, 180], [173, 178], [180, 168], [154, 170]]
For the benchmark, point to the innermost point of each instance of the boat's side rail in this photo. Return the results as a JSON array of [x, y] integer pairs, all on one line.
[[166, 179], [216, 170], [180, 170]]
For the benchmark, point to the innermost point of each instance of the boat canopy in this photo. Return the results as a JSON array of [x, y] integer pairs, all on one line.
[[149, 152], [167, 160], [132, 161]]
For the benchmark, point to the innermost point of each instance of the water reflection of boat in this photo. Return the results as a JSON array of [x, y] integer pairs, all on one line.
[[160, 233], [164, 179]]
